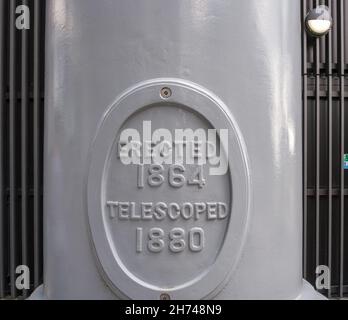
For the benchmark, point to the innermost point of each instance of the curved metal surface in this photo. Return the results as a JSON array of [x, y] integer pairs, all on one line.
[[246, 52], [197, 275]]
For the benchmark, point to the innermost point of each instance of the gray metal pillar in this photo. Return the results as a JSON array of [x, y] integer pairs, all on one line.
[[224, 65]]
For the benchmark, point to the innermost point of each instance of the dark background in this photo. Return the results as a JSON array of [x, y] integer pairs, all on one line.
[[325, 120], [21, 142]]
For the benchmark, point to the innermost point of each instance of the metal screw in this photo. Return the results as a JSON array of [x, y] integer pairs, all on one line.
[[166, 93], [165, 296]]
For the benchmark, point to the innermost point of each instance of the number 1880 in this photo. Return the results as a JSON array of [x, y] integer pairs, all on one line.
[[176, 240]]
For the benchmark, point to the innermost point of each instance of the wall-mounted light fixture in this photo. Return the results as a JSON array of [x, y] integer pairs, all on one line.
[[319, 21]]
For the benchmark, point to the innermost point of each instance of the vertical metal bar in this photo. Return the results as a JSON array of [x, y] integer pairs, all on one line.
[[329, 98], [12, 145], [346, 29], [305, 138], [310, 49], [24, 145], [36, 142], [317, 178], [323, 54], [2, 256], [341, 68], [334, 32]]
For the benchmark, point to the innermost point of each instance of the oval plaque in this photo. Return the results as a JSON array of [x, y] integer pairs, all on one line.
[[168, 192]]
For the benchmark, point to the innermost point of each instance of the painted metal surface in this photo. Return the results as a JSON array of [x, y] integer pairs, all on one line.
[[246, 53], [210, 211]]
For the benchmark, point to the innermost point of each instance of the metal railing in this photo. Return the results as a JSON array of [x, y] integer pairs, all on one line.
[[21, 128], [325, 94]]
